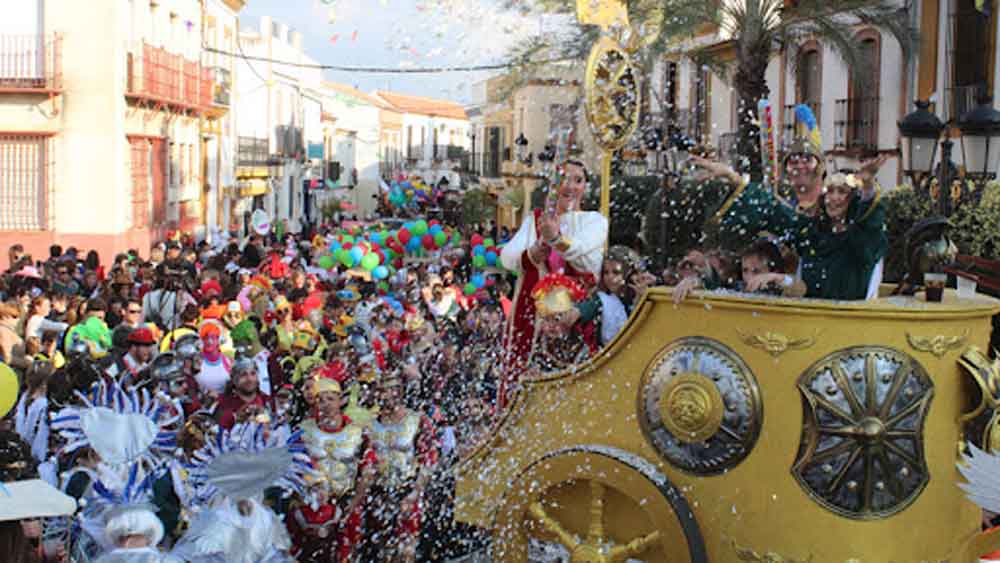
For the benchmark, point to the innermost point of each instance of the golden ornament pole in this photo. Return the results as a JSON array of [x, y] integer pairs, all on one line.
[[611, 86], [606, 184]]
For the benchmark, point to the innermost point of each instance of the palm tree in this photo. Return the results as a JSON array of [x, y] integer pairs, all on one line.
[[757, 29]]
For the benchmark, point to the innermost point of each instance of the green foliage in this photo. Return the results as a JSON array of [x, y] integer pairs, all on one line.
[[904, 206], [975, 228], [477, 207], [678, 218]]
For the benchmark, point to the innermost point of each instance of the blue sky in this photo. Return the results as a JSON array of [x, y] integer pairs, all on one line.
[[401, 34]]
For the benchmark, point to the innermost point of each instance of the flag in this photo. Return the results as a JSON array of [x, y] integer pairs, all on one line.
[[335, 37]]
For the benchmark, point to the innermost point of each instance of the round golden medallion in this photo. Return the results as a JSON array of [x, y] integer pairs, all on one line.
[[700, 406], [613, 98], [691, 408]]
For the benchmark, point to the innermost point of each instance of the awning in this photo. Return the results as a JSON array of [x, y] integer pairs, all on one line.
[[253, 187]]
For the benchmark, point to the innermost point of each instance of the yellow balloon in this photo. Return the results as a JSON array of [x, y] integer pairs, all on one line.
[[8, 389]]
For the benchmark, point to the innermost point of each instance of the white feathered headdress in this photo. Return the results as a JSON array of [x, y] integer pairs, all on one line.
[[241, 463], [123, 425], [982, 475]]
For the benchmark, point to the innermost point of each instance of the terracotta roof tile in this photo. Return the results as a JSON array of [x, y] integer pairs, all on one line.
[[355, 93], [423, 106]]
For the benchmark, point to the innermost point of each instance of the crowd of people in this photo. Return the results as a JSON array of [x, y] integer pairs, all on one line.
[[247, 401]]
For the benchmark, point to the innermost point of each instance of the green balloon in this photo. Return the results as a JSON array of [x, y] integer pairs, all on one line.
[[383, 286], [469, 289], [346, 259], [369, 262], [326, 262], [349, 238], [440, 239], [479, 261], [420, 228], [488, 243]]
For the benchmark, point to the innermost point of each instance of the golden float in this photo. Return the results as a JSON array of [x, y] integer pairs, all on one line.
[[732, 428]]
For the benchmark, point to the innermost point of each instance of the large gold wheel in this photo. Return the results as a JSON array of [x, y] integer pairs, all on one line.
[[596, 505]]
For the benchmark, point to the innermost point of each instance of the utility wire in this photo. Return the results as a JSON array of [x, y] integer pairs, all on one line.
[[373, 69]]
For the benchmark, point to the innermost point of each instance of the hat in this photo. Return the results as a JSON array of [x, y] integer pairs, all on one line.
[[33, 498], [142, 336], [234, 307], [330, 377], [281, 302], [260, 282], [211, 287], [557, 293], [807, 137], [28, 272], [349, 294], [166, 367], [187, 346], [841, 179]]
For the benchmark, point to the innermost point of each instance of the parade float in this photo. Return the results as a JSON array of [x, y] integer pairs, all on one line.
[[734, 428]]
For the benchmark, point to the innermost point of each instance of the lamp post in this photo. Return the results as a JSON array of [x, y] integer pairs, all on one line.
[[920, 131], [981, 144], [980, 140]]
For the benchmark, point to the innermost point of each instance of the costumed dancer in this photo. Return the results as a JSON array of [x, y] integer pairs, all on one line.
[[559, 239], [346, 463], [215, 366], [404, 443], [230, 475], [112, 430], [127, 518]]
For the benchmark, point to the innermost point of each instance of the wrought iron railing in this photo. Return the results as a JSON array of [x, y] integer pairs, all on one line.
[[252, 151], [157, 74], [962, 99], [856, 124], [25, 182], [30, 62]]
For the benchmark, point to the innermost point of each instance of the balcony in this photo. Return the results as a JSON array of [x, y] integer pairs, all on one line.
[[961, 100], [156, 76], [288, 141], [791, 123], [856, 124], [415, 152], [30, 63]]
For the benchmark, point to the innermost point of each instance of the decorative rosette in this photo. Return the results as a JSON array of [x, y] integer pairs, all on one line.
[[241, 463]]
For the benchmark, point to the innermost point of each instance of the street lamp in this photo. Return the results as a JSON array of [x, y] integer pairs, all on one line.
[[920, 131], [981, 143]]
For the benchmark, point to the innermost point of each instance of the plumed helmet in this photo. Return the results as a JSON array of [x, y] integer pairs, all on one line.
[[166, 367], [187, 347]]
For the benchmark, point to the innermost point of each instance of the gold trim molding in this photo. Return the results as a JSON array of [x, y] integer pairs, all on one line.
[[748, 554], [776, 343], [939, 345]]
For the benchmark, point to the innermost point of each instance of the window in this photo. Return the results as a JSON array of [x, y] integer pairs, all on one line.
[[856, 121], [969, 46], [701, 101], [24, 197], [810, 77], [141, 181]]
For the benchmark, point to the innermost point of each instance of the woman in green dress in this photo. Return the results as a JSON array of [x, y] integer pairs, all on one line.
[[836, 261]]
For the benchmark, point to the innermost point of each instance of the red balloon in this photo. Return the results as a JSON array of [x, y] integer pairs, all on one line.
[[347, 246], [476, 240], [404, 236], [381, 256], [428, 241], [434, 222]]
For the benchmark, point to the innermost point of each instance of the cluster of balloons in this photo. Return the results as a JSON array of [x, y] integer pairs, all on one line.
[[485, 252], [403, 193], [381, 252]]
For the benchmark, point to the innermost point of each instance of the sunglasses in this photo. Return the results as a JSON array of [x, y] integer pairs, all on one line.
[[133, 311]]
